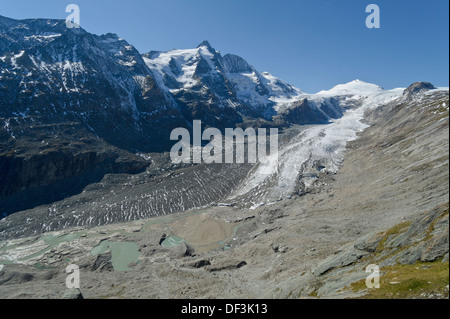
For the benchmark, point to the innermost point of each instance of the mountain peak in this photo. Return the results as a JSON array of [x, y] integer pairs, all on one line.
[[418, 87], [355, 87], [205, 44]]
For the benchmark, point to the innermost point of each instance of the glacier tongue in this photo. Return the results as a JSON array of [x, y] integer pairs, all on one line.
[[311, 149]]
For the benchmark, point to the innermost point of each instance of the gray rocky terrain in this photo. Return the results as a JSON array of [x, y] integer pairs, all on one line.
[[387, 204]]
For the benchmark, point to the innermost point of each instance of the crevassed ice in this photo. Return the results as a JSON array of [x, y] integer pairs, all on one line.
[[326, 143]]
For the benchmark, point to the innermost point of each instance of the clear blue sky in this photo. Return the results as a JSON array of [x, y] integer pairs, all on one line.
[[314, 44]]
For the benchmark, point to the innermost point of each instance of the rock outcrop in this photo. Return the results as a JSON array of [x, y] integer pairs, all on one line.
[[418, 87]]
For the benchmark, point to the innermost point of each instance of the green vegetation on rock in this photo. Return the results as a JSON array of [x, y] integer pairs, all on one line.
[[421, 280]]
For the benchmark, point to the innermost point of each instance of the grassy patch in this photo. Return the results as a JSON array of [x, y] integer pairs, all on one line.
[[444, 211], [396, 230], [421, 280]]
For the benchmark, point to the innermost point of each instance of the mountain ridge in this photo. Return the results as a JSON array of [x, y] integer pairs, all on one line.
[[53, 66]]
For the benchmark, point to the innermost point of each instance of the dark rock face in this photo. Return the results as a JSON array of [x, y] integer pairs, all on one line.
[[304, 112], [56, 74], [201, 263], [68, 101], [103, 263], [60, 74], [418, 87], [227, 265], [42, 179], [236, 64], [163, 238], [44, 163]]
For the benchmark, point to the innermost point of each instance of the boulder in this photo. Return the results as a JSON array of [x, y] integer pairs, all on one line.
[[418, 87], [103, 263], [348, 256], [227, 265]]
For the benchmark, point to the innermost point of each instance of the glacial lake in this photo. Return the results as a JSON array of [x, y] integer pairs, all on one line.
[[122, 254]]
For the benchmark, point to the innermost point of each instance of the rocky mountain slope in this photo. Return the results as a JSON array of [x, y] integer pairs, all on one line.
[[393, 191], [58, 74], [386, 205], [72, 105]]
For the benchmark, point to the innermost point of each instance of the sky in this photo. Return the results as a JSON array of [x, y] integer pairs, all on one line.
[[313, 44]]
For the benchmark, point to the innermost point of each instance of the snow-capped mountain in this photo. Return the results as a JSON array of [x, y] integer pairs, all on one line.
[[133, 101], [59, 74], [224, 81], [259, 89]]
